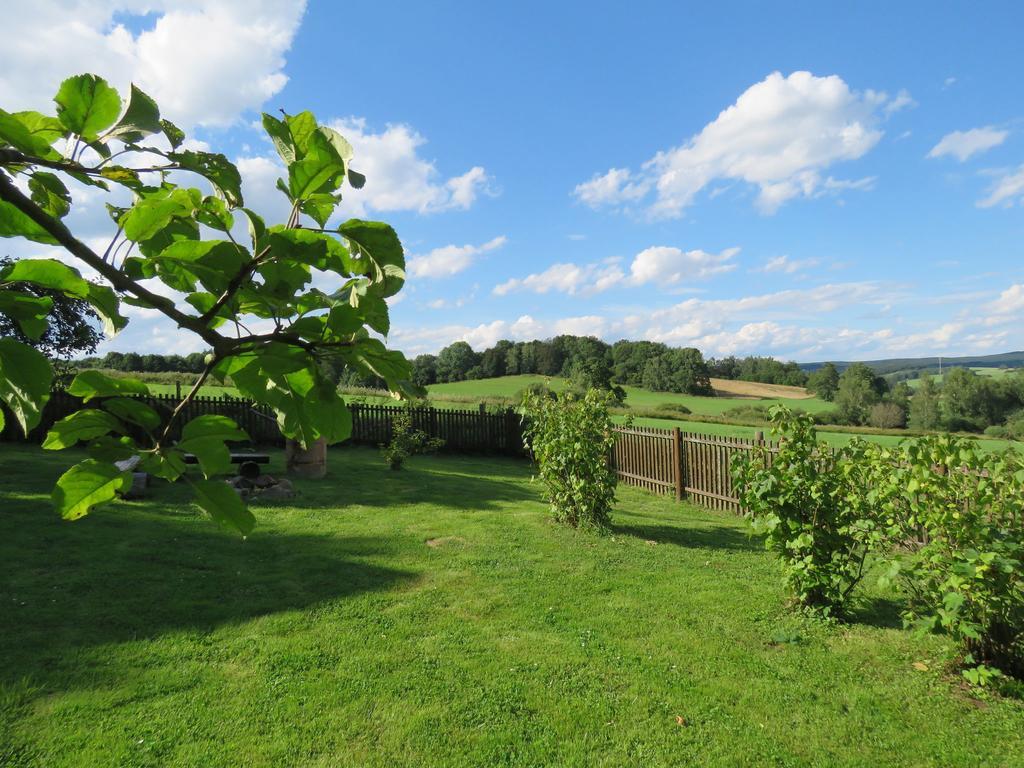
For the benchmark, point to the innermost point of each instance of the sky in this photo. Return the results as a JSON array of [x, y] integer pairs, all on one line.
[[808, 181]]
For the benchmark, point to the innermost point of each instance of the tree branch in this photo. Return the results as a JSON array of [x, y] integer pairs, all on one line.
[[11, 194]]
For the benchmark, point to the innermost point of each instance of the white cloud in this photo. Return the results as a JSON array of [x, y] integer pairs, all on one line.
[[398, 178], [786, 265], [450, 259], [664, 265], [566, 278], [206, 63], [963, 144], [902, 100], [1007, 189], [779, 135], [614, 187], [670, 266], [1010, 301]]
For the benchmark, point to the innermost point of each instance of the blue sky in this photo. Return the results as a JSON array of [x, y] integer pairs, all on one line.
[[801, 180]]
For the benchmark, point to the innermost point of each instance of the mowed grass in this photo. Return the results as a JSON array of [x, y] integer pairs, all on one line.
[[336, 635]]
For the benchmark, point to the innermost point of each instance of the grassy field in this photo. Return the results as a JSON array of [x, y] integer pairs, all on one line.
[[992, 372], [510, 386], [436, 617]]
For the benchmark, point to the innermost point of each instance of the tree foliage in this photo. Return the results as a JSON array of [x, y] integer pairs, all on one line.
[[245, 273], [72, 327]]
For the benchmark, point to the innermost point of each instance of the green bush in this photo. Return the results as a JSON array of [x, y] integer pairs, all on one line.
[[945, 519], [756, 413], [955, 528], [673, 408], [407, 441], [887, 415], [571, 439], [808, 504]]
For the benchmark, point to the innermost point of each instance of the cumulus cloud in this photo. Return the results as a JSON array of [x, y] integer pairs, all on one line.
[[661, 264], [398, 178], [566, 278], [670, 266], [1007, 189], [206, 63], [963, 144], [780, 135], [449, 260], [1010, 301]]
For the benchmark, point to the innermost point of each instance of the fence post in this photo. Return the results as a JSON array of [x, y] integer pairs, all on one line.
[[177, 389], [677, 462], [759, 437]]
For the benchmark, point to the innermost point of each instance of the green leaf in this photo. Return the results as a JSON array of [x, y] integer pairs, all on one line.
[[212, 426], [356, 179], [134, 411], [85, 485], [30, 312], [221, 502], [25, 379], [216, 169], [58, 276], [14, 223], [106, 304], [87, 105], [141, 118], [17, 131], [213, 456], [320, 170], [118, 174], [174, 134], [90, 384], [49, 193], [80, 425], [154, 211], [378, 243], [281, 136]]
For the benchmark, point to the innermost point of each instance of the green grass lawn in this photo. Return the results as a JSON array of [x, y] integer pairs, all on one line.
[[207, 390], [143, 635]]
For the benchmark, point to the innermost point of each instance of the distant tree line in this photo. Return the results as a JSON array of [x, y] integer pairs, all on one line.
[[148, 363]]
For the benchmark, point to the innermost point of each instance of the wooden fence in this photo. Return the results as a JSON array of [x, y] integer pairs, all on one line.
[[685, 464], [463, 431]]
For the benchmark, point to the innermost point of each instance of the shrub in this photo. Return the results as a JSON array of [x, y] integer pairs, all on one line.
[[886, 415], [809, 505], [407, 441], [996, 430], [757, 413], [571, 439], [956, 530], [673, 408]]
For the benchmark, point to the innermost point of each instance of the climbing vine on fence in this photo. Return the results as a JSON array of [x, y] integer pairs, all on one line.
[[243, 287]]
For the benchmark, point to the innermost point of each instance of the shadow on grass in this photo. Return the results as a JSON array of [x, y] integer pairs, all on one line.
[[712, 537], [141, 571], [881, 612], [358, 477]]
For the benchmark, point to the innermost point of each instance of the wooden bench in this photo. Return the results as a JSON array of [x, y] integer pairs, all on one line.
[[236, 458]]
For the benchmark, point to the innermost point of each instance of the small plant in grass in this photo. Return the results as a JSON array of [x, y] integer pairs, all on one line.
[[807, 502], [955, 524], [407, 441], [571, 438]]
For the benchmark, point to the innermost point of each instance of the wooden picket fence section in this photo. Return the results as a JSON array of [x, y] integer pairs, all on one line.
[[463, 431], [684, 464]]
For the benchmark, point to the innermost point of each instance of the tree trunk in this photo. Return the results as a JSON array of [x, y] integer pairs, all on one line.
[[306, 462]]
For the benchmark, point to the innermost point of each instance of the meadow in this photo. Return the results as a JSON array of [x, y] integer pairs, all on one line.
[[436, 617]]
